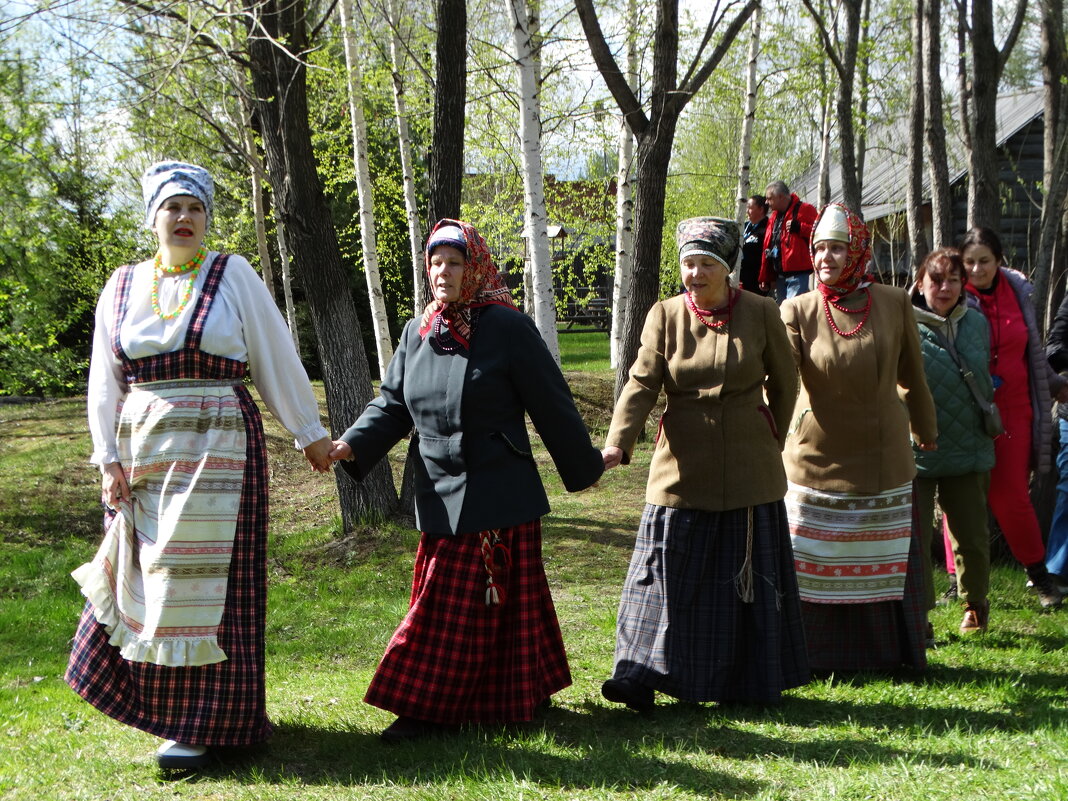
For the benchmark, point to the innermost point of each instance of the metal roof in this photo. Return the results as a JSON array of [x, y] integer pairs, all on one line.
[[886, 160]]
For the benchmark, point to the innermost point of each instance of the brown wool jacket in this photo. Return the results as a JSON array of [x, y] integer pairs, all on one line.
[[720, 445], [850, 428]]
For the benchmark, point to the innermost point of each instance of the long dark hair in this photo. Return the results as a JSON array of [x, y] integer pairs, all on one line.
[[983, 237]]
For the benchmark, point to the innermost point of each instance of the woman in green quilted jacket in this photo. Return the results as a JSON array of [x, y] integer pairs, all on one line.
[[955, 341]]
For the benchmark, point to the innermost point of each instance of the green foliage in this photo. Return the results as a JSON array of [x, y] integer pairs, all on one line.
[[61, 232]]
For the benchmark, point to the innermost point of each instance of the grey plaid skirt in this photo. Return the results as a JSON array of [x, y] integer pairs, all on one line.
[[683, 626]]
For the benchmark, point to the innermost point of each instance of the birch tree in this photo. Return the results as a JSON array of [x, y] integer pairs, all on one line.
[[524, 21], [398, 60], [624, 256], [354, 79], [654, 132], [279, 77], [749, 115]]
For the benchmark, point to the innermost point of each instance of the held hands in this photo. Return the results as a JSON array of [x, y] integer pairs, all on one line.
[[114, 487], [341, 451], [927, 446], [612, 457], [318, 454]]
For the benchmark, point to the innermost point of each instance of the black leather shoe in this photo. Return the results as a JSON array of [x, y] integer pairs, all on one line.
[[626, 691], [405, 729]]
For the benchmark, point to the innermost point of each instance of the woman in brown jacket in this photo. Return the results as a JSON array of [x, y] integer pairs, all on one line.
[[709, 609], [849, 459]]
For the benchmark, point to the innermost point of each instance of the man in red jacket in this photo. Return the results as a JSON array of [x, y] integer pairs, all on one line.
[[787, 261]]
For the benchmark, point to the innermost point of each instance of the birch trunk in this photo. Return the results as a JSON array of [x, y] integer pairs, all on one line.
[[408, 176], [745, 149], [823, 190], [624, 201], [525, 26], [287, 283], [379, 321]]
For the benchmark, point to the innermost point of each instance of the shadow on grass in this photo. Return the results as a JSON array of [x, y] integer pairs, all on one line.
[[318, 756]]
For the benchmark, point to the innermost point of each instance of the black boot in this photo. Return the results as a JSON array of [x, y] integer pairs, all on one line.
[[1042, 583]]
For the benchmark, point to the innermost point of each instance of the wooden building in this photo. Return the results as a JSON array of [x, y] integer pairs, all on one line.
[[1019, 138]]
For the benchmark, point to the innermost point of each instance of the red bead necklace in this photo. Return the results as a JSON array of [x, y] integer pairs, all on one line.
[[714, 325], [827, 303]]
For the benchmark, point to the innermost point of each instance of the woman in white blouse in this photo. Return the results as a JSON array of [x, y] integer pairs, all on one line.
[[171, 637]]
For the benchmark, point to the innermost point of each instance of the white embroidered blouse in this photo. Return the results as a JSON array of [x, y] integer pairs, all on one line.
[[243, 324]]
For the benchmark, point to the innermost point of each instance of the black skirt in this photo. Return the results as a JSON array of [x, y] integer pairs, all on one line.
[[684, 628]]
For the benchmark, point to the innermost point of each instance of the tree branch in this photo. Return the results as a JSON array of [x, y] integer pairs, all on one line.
[[688, 90], [1014, 34], [828, 45], [613, 76]]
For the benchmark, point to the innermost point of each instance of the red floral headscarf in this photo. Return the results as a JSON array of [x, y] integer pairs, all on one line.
[[858, 242], [480, 285]]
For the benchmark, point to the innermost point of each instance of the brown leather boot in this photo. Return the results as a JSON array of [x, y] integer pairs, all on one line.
[[976, 617]]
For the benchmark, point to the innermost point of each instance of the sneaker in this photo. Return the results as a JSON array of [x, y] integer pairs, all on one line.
[[181, 756], [950, 595], [1043, 585], [976, 617], [634, 695]]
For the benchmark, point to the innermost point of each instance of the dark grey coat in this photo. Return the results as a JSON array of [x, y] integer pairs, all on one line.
[[476, 470]]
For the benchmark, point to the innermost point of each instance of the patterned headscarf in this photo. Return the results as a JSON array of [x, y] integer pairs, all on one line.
[[169, 178], [838, 222], [480, 285], [717, 237]]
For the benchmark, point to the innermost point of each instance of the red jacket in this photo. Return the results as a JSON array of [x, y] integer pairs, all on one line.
[[795, 254]]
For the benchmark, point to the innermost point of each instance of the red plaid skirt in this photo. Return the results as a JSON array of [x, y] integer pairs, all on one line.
[[218, 704], [456, 660]]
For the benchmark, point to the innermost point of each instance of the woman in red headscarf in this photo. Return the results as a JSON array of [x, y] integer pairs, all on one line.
[[481, 642], [848, 458]]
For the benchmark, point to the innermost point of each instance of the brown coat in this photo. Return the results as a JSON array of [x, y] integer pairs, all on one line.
[[850, 429], [719, 445]]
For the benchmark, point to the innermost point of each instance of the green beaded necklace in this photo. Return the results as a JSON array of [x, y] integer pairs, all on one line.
[[192, 267]]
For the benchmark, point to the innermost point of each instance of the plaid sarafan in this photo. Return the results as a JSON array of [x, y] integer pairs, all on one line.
[[455, 659], [223, 703]]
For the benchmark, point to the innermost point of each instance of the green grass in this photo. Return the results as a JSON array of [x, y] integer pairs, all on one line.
[[988, 719]]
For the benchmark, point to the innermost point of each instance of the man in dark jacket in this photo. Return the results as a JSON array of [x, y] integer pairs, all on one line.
[[787, 261]]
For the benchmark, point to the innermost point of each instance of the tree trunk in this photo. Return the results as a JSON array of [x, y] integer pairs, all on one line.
[[450, 100], [988, 63], [653, 157], [655, 133], [287, 282], [914, 187], [279, 80], [446, 156], [1055, 155], [823, 187], [745, 147], [524, 28], [411, 205], [934, 127], [865, 94], [624, 266], [844, 107], [984, 206], [364, 192]]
